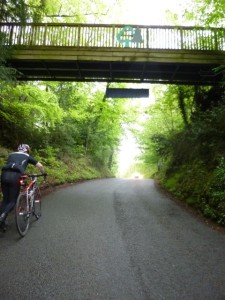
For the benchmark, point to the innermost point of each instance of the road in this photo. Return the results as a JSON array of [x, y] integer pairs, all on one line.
[[113, 239]]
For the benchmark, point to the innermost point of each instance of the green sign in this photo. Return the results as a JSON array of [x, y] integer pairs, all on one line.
[[129, 34]]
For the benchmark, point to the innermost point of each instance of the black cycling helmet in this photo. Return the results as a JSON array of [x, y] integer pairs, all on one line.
[[24, 148]]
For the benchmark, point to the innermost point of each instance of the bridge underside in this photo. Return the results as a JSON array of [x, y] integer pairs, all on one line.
[[126, 65], [140, 72]]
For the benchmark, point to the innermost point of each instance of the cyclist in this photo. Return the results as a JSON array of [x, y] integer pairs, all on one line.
[[11, 172]]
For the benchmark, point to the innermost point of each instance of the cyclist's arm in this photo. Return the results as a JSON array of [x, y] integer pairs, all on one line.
[[40, 167]]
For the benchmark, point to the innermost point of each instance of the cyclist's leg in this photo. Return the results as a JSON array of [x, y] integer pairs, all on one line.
[[13, 195], [10, 189], [3, 215], [5, 192]]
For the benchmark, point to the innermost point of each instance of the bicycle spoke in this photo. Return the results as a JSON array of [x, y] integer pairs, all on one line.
[[37, 203], [22, 215]]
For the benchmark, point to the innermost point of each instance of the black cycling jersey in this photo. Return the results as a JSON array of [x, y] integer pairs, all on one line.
[[22, 159]]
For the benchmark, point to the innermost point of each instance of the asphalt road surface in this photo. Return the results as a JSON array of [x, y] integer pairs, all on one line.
[[112, 239]]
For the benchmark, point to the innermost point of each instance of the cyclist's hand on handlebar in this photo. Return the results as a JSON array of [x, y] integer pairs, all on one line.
[[45, 175]]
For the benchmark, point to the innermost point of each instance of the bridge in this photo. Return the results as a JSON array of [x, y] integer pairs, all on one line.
[[115, 53]]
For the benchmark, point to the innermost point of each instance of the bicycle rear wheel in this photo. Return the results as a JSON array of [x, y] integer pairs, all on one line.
[[22, 215], [37, 203]]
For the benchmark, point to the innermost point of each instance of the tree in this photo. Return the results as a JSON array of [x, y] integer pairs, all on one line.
[[22, 10], [171, 113], [27, 113], [92, 123], [206, 12]]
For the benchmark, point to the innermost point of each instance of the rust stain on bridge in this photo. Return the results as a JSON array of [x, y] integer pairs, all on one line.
[[81, 52]]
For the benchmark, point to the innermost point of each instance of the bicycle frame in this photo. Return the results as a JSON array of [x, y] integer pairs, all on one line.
[[28, 203], [29, 191]]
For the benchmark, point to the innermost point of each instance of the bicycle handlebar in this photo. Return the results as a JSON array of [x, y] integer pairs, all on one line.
[[33, 178], [38, 175], [35, 175]]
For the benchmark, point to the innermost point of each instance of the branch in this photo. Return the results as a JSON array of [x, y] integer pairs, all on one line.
[[71, 16]]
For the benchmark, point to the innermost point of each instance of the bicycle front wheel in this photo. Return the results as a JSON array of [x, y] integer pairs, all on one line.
[[37, 203], [22, 215]]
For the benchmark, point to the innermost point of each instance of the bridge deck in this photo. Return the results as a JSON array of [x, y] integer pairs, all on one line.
[[113, 53], [126, 65]]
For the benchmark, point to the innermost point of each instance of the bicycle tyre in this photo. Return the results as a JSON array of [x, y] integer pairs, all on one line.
[[37, 203], [22, 215]]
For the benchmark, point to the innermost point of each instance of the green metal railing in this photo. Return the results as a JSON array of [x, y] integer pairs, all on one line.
[[113, 36]]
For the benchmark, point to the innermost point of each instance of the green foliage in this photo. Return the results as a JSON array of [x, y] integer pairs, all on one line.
[[91, 123], [206, 12], [164, 121], [7, 74], [27, 113], [189, 152], [21, 11], [67, 123], [172, 182], [70, 11], [215, 201], [202, 158]]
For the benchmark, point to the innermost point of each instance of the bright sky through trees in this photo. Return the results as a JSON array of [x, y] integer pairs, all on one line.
[[150, 12], [144, 12], [129, 150]]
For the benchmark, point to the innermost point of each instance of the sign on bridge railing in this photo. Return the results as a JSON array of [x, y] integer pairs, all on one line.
[[113, 36]]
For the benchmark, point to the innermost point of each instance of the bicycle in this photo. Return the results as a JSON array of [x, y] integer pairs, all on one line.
[[28, 203]]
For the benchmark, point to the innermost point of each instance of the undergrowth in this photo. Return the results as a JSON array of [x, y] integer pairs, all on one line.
[[62, 169]]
